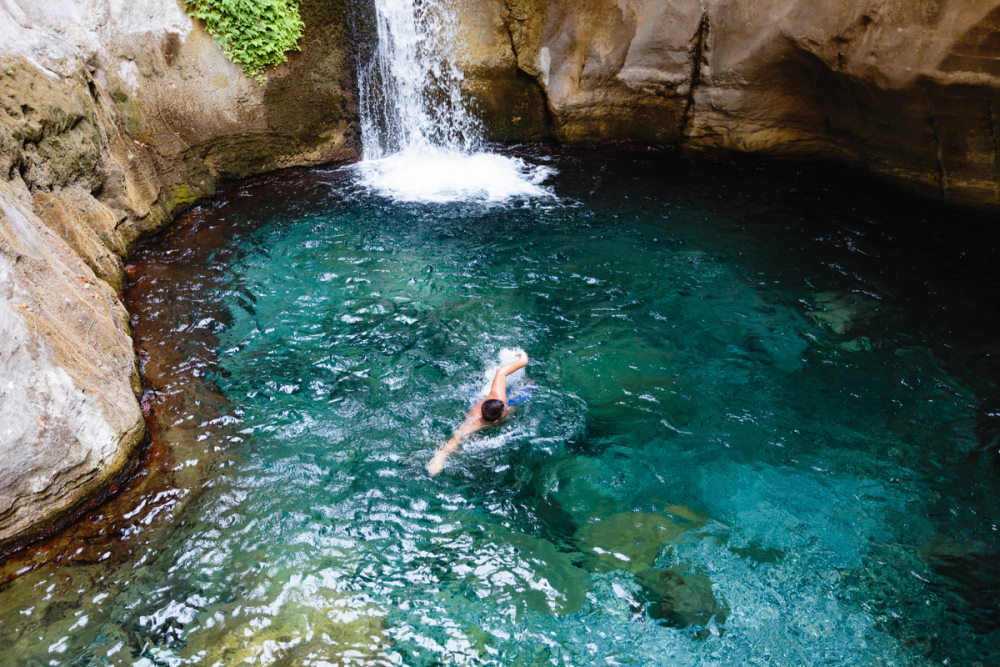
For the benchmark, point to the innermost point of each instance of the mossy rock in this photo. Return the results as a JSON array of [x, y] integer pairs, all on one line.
[[181, 196]]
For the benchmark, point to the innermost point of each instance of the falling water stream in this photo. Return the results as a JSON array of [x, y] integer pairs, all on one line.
[[420, 140]]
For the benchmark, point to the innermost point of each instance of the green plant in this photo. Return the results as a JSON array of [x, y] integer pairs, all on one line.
[[254, 34]]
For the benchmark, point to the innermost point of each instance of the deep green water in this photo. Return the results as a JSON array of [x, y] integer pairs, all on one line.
[[765, 431]]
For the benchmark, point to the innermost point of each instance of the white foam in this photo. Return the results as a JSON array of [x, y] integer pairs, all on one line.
[[430, 174], [506, 356]]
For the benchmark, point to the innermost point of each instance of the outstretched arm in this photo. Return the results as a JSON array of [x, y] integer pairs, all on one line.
[[469, 426]]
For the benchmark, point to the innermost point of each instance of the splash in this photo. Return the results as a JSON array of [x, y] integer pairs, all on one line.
[[420, 141], [441, 175]]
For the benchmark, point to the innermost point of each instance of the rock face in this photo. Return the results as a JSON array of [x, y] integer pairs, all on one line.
[[509, 100], [909, 89], [113, 116]]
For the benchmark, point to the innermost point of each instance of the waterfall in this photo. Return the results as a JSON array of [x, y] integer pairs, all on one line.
[[411, 95], [420, 140]]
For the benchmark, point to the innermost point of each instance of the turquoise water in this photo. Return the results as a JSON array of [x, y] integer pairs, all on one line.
[[764, 431]]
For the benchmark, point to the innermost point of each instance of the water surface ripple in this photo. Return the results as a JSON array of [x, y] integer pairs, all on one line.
[[765, 431]]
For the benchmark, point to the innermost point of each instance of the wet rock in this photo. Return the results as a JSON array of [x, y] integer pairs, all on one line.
[[68, 415], [508, 100]]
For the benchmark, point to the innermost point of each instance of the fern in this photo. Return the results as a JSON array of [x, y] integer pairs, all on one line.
[[255, 34]]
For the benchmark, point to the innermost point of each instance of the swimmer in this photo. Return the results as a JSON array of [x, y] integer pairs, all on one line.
[[491, 410]]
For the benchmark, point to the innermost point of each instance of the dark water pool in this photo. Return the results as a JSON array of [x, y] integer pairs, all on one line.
[[765, 430]]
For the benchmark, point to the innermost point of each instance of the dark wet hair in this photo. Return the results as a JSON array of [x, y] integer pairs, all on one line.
[[492, 409]]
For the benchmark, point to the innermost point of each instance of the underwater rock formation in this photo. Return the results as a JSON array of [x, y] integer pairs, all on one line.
[[320, 630], [909, 90], [113, 117], [632, 541]]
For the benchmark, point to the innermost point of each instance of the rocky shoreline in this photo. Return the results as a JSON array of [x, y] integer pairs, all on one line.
[[114, 118]]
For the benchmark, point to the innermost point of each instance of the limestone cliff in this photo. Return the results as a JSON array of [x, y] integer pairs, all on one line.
[[112, 116], [906, 88]]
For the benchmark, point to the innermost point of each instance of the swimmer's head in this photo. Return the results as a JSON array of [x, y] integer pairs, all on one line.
[[492, 409]]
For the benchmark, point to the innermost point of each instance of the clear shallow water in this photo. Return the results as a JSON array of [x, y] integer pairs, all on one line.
[[765, 431]]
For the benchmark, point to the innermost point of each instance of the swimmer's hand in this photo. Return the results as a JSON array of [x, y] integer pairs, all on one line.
[[436, 464], [520, 361], [470, 426]]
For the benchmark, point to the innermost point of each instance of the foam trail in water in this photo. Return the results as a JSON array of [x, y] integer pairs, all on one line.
[[420, 142]]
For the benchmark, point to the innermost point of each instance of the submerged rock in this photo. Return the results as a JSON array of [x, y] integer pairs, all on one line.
[[569, 493], [759, 554], [628, 540], [681, 598], [527, 574], [843, 312], [971, 570], [299, 633], [633, 541]]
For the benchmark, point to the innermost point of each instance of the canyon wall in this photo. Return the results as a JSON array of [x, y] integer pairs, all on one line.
[[909, 89], [112, 117]]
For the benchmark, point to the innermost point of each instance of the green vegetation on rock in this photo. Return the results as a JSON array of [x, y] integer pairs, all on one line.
[[181, 196], [255, 34]]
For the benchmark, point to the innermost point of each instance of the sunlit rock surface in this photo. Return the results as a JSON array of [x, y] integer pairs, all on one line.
[[112, 117], [909, 90]]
